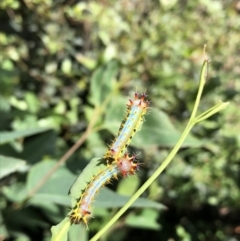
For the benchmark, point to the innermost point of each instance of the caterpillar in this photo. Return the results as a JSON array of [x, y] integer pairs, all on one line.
[[136, 109], [123, 166]]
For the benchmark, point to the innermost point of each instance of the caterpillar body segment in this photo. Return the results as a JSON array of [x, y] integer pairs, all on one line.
[[136, 109], [124, 167]]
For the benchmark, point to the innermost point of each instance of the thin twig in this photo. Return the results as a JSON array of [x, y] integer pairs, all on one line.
[[62, 159]]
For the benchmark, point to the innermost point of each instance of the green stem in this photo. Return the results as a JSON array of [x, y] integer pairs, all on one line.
[[203, 75], [211, 112], [191, 123], [63, 227], [145, 185]]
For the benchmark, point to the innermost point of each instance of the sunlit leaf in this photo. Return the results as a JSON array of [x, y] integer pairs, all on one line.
[[9, 165], [8, 136]]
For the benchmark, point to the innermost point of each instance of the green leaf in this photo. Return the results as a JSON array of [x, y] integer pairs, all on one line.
[[16, 192], [32, 102], [103, 82], [3, 229], [110, 199], [77, 231], [115, 113], [40, 198], [128, 186], [8, 136], [9, 165], [55, 189], [60, 231], [66, 66], [43, 144], [182, 233], [146, 219]]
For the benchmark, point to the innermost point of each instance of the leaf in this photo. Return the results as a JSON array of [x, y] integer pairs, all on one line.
[[32, 102], [102, 82], [77, 231], [40, 198], [60, 231], [3, 229], [146, 219], [16, 192], [9, 165], [8, 136], [115, 113], [110, 199], [128, 186], [66, 66], [52, 212], [55, 190], [157, 128], [43, 144]]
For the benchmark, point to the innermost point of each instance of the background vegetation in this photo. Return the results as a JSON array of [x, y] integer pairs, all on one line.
[[61, 60]]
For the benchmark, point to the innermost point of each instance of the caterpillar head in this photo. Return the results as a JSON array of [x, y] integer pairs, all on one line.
[[139, 100]]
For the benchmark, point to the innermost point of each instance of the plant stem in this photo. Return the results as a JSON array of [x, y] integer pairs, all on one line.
[[191, 123], [203, 76], [146, 184]]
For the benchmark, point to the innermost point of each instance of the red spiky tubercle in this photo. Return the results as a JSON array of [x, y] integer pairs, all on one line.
[[127, 165]]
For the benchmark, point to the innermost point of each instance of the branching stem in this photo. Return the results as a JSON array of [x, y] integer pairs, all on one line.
[[192, 121]]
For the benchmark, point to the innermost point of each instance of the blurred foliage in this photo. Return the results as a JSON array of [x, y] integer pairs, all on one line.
[[61, 59]]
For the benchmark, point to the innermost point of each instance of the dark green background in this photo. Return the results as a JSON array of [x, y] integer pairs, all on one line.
[[60, 60]]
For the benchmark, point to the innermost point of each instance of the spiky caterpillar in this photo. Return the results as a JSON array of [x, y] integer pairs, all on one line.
[[123, 166], [136, 110]]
